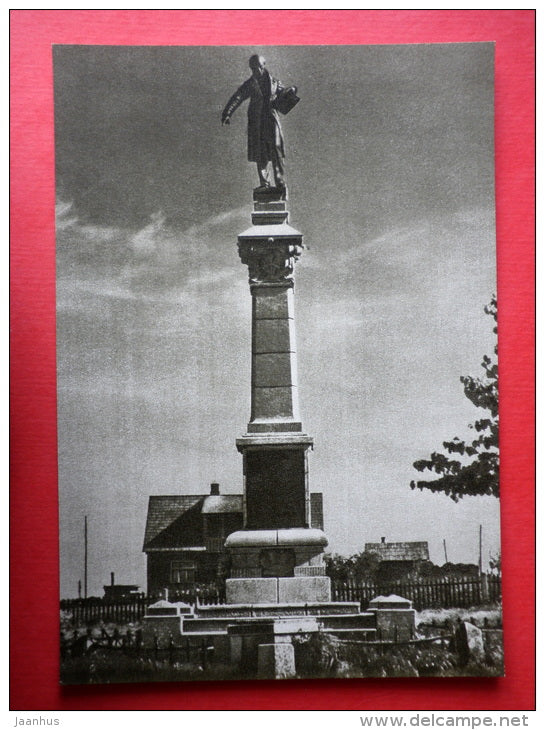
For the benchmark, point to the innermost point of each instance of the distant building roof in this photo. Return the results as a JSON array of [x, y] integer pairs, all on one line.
[[399, 550], [118, 588]]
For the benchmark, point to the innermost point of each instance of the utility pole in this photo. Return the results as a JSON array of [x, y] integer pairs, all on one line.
[[480, 549], [85, 561], [445, 549], [485, 595]]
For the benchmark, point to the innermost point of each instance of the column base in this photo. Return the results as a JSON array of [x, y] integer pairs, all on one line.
[[276, 427]]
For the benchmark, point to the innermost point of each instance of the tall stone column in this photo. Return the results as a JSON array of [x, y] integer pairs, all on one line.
[[277, 545]]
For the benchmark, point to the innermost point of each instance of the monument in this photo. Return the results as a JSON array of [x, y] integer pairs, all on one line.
[[277, 587], [277, 557]]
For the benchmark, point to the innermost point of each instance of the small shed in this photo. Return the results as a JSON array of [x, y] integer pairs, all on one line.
[[398, 559]]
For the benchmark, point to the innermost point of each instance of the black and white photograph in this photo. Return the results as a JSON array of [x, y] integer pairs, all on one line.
[[277, 371]]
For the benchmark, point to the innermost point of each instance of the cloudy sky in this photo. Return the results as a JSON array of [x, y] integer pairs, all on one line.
[[391, 175]]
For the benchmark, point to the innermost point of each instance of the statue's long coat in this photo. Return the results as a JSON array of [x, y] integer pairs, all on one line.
[[264, 131]]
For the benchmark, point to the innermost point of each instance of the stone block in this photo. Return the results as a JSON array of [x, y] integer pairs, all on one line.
[[302, 538], [274, 426], [252, 540], [275, 403], [468, 642], [272, 205], [245, 558], [395, 623], [311, 556], [265, 218], [287, 626], [251, 590], [274, 335], [273, 303], [161, 627], [274, 369], [276, 661], [235, 648], [269, 194], [391, 601], [222, 648], [304, 589], [275, 489], [277, 562]]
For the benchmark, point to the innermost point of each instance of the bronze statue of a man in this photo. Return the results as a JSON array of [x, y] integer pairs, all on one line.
[[265, 140]]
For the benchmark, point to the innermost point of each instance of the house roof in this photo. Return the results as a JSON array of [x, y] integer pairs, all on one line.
[[399, 550], [165, 513], [164, 510], [172, 518], [221, 503]]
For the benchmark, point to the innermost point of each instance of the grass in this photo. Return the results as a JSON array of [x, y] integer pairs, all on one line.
[[478, 615], [107, 668]]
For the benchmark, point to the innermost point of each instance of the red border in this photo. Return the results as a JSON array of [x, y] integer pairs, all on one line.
[[34, 616]]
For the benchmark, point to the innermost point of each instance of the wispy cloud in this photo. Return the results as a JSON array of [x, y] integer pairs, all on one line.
[[159, 262]]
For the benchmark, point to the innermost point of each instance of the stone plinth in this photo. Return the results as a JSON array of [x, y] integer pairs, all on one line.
[[282, 566], [264, 646], [251, 590], [395, 617], [163, 620], [275, 473], [276, 488], [276, 661], [296, 590]]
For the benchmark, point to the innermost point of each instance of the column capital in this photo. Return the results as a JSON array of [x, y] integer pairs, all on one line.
[[270, 252]]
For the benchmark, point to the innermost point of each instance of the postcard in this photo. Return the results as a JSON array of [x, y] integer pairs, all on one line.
[[276, 362]]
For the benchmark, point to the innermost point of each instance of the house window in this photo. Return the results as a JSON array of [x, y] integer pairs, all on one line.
[[182, 571]]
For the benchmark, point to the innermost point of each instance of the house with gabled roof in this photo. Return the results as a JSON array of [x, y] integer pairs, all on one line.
[[398, 559], [185, 536]]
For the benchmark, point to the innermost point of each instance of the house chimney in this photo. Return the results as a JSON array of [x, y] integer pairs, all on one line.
[[383, 540], [214, 489], [112, 578]]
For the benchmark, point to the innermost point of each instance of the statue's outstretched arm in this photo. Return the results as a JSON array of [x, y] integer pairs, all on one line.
[[234, 102]]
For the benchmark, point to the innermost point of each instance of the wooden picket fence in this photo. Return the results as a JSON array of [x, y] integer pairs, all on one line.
[[93, 610], [463, 592], [132, 609], [424, 593]]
